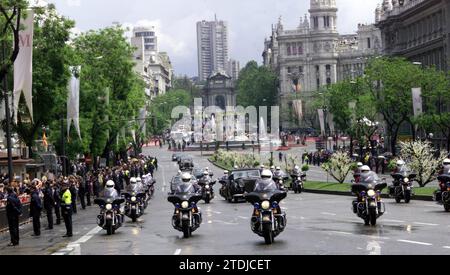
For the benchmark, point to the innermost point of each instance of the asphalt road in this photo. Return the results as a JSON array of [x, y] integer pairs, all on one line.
[[317, 224]]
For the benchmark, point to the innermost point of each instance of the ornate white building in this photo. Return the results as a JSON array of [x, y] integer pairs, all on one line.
[[314, 55]]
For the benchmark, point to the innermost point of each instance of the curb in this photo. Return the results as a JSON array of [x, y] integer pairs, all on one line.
[[342, 193]]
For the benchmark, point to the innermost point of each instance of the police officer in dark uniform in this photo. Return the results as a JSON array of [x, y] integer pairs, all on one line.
[[57, 199], [35, 209], [49, 202], [82, 191], [13, 211]]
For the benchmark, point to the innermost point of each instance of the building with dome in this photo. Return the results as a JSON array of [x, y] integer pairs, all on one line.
[[314, 55]]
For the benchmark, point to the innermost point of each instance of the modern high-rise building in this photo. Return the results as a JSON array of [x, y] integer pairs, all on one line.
[[212, 44], [233, 69]]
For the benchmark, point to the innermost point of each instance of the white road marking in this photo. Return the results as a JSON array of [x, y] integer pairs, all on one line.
[[74, 247], [433, 205], [388, 220], [414, 242], [328, 214], [177, 252], [446, 247], [241, 217], [424, 223], [341, 232], [374, 248]]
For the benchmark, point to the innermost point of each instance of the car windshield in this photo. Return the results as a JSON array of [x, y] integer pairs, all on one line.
[[245, 174]]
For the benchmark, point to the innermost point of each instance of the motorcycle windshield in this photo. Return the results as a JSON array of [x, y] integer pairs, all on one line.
[[369, 178], [185, 188], [265, 186], [134, 188], [109, 195]]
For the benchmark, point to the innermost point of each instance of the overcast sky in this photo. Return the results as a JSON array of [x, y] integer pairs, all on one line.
[[249, 21]]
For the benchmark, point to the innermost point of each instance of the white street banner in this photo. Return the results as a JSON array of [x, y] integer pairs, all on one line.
[[142, 120], [23, 66], [73, 101], [322, 121], [298, 109], [417, 101], [330, 119]]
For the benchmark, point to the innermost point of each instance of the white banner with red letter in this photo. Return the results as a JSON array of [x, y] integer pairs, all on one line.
[[23, 66]]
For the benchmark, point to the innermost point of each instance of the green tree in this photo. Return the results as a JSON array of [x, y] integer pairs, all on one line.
[[161, 109], [111, 92], [436, 95], [257, 86], [390, 81]]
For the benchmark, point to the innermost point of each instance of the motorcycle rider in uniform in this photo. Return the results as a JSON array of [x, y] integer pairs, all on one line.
[[367, 177]]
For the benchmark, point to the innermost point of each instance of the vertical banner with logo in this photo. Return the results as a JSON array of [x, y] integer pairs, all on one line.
[[417, 103], [23, 66], [298, 108], [73, 100], [330, 119], [322, 121], [142, 120]]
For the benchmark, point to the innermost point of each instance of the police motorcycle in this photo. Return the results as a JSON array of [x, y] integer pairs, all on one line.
[[268, 220], [207, 187], [110, 217], [134, 200], [368, 205], [402, 186], [280, 178], [298, 179], [149, 187], [442, 195], [187, 216]]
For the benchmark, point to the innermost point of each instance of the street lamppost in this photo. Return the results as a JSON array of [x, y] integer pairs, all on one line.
[[8, 120]]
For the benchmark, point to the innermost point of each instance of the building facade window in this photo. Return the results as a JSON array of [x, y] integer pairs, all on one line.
[[316, 22], [368, 43], [288, 49], [326, 21]]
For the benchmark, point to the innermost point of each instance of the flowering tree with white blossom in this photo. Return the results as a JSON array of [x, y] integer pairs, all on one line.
[[421, 159], [339, 166]]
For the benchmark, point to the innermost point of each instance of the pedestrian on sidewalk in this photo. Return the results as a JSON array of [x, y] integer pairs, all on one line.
[[35, 209], [13, 212], [57, 199]]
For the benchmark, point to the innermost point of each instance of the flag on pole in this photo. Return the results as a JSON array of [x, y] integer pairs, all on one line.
[[44, 141], [23, 66]]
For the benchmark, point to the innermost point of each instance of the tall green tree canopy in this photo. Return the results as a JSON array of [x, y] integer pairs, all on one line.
[[257, 86]]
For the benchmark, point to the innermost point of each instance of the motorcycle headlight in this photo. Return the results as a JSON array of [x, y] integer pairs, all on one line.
[[265, 205], [207, 187], [185, 204], [406, 180], [133, 199], [108, 206], [281, 181], [371, 193], [299, 178]]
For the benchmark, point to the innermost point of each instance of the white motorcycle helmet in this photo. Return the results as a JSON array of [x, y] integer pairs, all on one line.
[[225, 172], [205, 173], [360, 164], [365, 169], [110, 184], [400, 163], [296, 167], [266, 174], [186, 177], [133, 181], [446, 162], [138, 180]]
